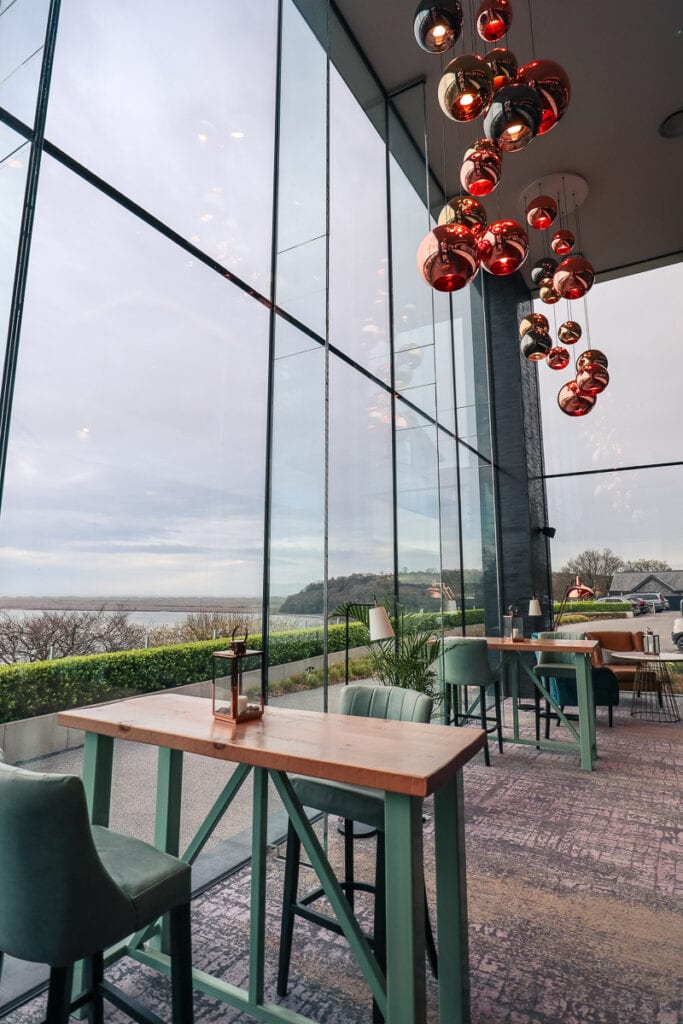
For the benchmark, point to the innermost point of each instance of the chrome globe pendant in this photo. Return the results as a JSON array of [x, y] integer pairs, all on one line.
[[466, 88], [542, 269], [437, 26], [514, 117], [535, 345]]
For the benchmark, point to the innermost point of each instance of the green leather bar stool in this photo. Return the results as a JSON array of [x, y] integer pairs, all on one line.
[[69, 890], [352, 803], [464, 662], [559, 672]]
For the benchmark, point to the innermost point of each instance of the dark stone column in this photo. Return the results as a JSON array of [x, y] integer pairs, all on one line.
[[517, 451]]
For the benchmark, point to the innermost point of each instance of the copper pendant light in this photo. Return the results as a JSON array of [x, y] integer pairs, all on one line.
[[591, 355], [543, 268], [437, 26], [569, 332], [592, 378], [573, 277], [503, 64], [465, 88], [541, 212], [557, 358], [466, 211], [493, 19], [503, 247], [551, 82], [572, 402], [533, 321], [547, 293], [514, 117], [562, 242], [447, 257], [481, 168]]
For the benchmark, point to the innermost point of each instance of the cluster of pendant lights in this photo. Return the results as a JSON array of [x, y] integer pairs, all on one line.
[[517, 104], [570, 279]]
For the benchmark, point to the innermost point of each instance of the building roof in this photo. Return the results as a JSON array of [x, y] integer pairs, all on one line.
[[664, 582]]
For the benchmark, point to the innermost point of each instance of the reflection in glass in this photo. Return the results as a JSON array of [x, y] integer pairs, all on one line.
[[417, 508], [133, 468]]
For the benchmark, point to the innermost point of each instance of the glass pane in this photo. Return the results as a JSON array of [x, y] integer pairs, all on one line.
[[636, 420], [472, 534], [22, 38], [136, 456], [360, 485], [174, 104], [417, 510], [450, 524], [359, 298], [636, 514], [14, 154], [302, 183], [298, 502]]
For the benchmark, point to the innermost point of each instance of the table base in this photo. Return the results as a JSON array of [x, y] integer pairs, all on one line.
[[653, 696]]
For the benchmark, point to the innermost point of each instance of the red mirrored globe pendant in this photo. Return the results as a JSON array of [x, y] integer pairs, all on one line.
[[562, 242], [447, 257], [569, 332], [572, 402], [557, 358], [592, 379], [533, 321], [591, 355], [503, 64], [493, 19], [466, 211], [466, 88], [551, 82], [541, 212], [535, 345], [503, 247], [573, 277], [481, 168]]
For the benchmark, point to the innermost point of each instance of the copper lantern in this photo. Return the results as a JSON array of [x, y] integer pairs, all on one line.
[[447, 257], [572, 402], [466, 87], [481, 167], [503, 247]]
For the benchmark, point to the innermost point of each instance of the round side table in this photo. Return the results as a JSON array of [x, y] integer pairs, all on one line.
[[653, 696]]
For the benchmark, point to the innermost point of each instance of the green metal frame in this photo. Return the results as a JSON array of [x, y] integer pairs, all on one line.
[[401, 994], [583, 738]]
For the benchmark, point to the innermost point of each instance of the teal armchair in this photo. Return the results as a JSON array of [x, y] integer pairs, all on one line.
[[559, 670]]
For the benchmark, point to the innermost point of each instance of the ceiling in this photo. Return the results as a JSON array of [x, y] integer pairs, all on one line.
[[624, 59]]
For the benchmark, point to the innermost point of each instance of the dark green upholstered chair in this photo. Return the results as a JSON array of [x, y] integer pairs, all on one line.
[[352, 803], [559, 669], [464, 662], [69, 890]]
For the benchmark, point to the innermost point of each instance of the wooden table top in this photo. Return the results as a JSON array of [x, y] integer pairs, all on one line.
[[400, 757], [497, 643]]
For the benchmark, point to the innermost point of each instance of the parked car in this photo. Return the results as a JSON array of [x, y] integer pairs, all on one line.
[[677, 634], [659, 602], [643, 606], [637, 607]]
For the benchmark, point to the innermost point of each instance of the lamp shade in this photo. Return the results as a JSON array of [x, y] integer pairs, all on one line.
[[535, 607], [380, 624]]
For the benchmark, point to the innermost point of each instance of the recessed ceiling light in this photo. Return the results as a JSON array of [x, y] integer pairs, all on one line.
[[672, 126]]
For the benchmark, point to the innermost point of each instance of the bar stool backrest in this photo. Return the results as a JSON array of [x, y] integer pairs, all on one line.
[[464, 661], [558, 657]]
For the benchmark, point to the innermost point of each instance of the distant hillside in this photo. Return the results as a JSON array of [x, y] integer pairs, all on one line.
[[364, 588]]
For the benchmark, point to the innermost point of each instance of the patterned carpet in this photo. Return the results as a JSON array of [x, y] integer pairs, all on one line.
[[575, 888]]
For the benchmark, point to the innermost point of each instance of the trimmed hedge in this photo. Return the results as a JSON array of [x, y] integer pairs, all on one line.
[[40, 687]]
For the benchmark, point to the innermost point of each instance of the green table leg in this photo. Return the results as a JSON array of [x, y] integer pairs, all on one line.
[[451, 903], [98, 755], [406, 985], [257, 928], [169, 799], [584, 696]]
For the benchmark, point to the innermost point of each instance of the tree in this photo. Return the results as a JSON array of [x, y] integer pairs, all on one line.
[[646, 565], [596, 568], [60, 634]]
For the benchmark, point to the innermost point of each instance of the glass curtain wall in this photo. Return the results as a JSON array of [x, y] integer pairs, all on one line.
[[232, 388]]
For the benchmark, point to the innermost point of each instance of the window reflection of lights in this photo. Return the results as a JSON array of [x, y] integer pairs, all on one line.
[[83, 434], [202, 137], [206, 217], [237, 135], [195, 239], [16, 164]]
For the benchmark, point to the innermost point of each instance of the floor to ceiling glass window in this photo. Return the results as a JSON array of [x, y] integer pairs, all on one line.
[[615, 477], [231, 384]]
